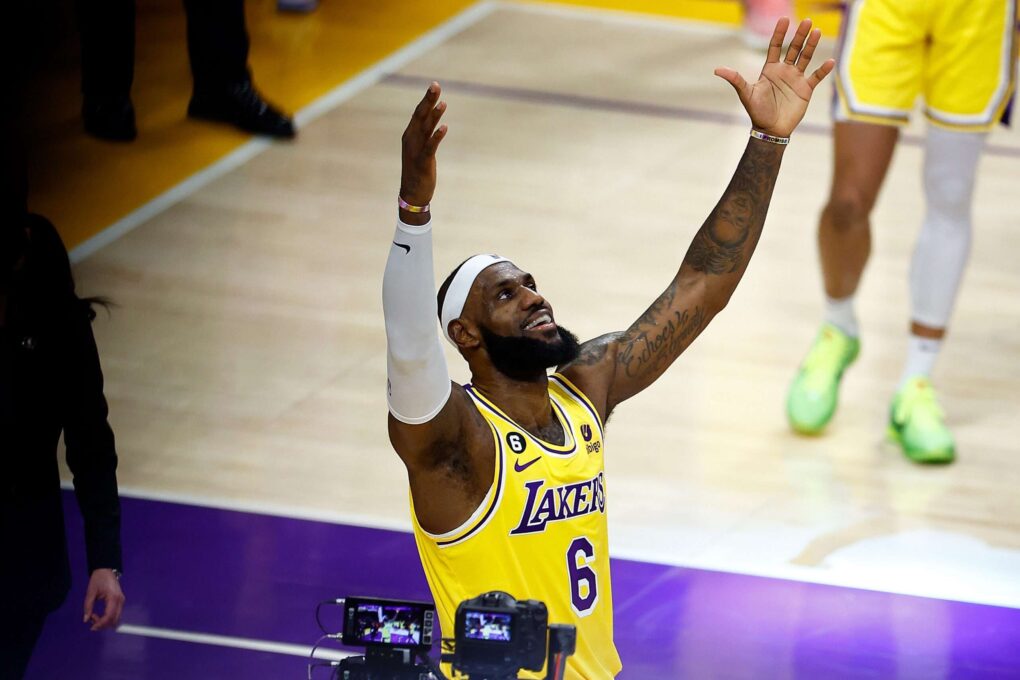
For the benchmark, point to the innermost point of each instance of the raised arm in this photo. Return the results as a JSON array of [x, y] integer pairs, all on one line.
[[427, 411], [616, 366]]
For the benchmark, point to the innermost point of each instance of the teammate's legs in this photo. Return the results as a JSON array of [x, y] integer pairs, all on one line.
[[863, 152], [880, 72]]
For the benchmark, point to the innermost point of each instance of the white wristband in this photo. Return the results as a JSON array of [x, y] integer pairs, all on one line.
[[765, 137]]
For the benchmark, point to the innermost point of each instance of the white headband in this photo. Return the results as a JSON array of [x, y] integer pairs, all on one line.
[[456, 294]]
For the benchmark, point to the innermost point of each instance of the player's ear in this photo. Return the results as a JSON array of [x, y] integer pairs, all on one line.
[[465, 334]]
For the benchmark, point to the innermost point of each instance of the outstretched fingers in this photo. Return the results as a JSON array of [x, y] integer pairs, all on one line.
[[820, 73], [433, 144], [809, 50], [776, 43], [797, 44], [421, 132], [432, 118], [428, 102]]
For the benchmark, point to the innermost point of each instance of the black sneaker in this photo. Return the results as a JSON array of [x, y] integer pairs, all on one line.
[[241, 105], [109, 117]]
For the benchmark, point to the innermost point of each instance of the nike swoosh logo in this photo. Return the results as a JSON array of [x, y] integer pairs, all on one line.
[[521, 468], [405, 247]]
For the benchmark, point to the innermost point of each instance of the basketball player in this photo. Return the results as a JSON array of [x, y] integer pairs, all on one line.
[[506, 473], [960, 54]]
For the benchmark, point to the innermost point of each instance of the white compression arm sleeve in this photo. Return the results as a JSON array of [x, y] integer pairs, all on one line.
[[418, 381]]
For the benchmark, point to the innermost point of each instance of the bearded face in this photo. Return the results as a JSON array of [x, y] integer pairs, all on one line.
[[523, 358]]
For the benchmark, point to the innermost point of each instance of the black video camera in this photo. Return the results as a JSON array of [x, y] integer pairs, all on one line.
[[496, 636]]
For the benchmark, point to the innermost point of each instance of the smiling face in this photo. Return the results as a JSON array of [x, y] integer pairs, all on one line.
[[516, 323]]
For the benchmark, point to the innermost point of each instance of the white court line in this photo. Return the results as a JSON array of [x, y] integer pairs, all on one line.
[[257, 145], [234, 642]]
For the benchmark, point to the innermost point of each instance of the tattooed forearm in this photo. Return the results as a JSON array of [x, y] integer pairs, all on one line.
[[708, 276], [727, 239], [619, 365], [655, 340]]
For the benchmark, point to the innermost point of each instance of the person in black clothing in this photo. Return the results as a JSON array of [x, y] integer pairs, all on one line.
[[217, 48], [50, 382]]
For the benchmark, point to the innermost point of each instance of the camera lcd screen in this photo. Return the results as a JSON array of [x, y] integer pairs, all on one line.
[[380, 624], [492, 626]]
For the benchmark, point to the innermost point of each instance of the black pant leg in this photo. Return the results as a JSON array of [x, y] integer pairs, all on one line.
[[18, 636], [107, 46], [217, 43]]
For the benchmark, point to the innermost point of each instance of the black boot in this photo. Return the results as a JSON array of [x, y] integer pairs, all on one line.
[[241, 105], [109, 117]]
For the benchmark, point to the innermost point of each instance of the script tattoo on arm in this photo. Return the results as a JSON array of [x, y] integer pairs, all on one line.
[[710, 272]]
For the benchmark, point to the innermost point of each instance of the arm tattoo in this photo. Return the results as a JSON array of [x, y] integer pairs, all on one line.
[[659, 336], [718, 256], [725, 242], [594, 351]]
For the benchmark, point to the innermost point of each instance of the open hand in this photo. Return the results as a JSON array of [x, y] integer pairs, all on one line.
[[420, 141], [778, 101], [103, 585]]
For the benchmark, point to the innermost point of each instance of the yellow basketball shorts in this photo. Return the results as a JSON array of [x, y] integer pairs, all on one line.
[[959, 54]]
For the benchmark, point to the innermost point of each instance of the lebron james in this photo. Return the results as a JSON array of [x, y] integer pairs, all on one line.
[[506, 473]]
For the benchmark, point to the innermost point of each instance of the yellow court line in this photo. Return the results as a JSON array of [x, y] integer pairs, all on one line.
[[85, 185]]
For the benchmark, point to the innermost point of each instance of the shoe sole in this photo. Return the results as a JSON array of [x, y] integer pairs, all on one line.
[[807, 430], [941, 457]]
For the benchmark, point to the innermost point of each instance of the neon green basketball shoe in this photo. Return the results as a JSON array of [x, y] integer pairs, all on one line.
[[917, 424], [811, 401]]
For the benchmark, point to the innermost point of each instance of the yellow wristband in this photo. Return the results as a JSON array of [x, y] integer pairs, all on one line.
[[412, 208]]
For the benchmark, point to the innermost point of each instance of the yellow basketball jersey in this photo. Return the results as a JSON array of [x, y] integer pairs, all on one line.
[[540, 533]]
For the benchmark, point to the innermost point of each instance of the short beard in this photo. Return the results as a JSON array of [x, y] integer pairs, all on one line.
[[522, 358]]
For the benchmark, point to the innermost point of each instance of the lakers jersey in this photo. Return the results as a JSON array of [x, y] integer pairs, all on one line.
[[540, 533]]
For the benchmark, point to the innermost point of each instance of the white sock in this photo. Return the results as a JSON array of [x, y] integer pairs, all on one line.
[[921, 356], [840, 313]]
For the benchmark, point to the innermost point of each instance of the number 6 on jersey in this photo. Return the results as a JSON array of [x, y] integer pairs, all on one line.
[[584, 589]]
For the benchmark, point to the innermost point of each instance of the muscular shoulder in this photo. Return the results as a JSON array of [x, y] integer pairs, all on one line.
[[593, 369], [450, 463]]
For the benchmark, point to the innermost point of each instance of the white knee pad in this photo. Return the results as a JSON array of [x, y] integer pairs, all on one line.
[[940, 256]]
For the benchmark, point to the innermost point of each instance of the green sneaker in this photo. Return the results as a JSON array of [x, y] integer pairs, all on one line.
[[916, 423], [812, 397]]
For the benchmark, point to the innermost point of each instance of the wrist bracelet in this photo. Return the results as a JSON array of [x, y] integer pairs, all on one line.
[[412, 208], [758, 134]]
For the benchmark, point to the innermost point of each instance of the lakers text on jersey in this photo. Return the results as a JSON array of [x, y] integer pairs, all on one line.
[[540, 533]]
